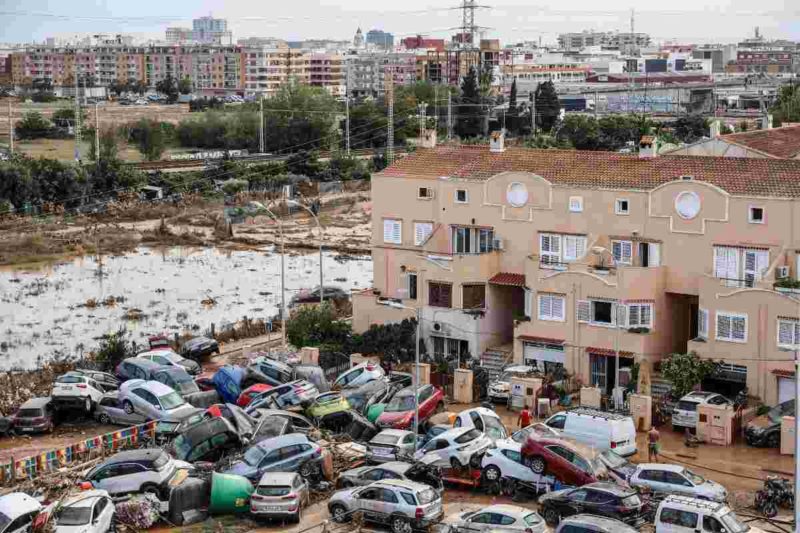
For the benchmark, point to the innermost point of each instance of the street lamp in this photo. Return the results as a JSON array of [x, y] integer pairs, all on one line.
[[398, 305], [599, 250], [295, 203], [283, 276]]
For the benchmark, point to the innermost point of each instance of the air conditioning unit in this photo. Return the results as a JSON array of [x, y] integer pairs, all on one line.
[[440, 328], [782, 272], [497, 244]]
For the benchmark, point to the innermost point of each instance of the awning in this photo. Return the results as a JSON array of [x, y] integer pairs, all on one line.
[[607, 352], [783, 373], [508, 279], [543, 340]]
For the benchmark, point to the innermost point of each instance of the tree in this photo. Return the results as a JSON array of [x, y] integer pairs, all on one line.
[[685, 371], [168, 87], [393, 342], [787, 105], [368, 123], [512, 117], [690, 128], [316, 326], [185, 85], [109, 146], [547, 106], [545, 141], [616, 131], [298, 117], [304, 163], [33, 126], [114, 347], [469, 122], [581, 131], [150, 138]]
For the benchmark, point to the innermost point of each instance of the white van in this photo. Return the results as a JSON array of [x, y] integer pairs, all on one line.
[[680, 514], [598, 429]]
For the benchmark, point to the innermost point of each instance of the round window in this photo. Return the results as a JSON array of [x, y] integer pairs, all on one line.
[[687, 204], [517, 194]]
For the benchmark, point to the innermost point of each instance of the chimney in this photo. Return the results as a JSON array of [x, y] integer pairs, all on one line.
[[648, 147], [428, 139], [714, 129], [497, 141]]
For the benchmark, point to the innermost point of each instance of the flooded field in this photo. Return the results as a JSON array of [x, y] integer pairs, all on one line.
[[66, 307]]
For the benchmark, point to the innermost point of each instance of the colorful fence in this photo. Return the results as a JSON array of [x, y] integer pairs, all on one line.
[[36, 465]]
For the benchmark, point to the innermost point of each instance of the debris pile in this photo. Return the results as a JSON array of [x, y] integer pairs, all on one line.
[[140, 512]]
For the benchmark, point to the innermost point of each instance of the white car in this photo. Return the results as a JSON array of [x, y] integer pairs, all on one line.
[[91, 511], [152, 400], [74, 389], [17, 511], [598, 429], [169, 358], [499, 390], [679, 514], [539, 429], [506, 461], [359, 375], [684, 415], [455, 448], [484, 420], [497, 519], [676, 479]]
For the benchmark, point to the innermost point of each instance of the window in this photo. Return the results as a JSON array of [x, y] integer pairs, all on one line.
[[557, 422], [461, 196], [731, 328], [412, 286], [392, 231], [678, 518], [555, 249], [576, 204], [469, 240], [473, 296], [425, 193], [740, 267], [756, 215], [622, 251], [440, 294], [788, 333], [551, 307], [702, 323], [599, 312], [640, 315], [513, 455], [422, 230], [485, 240], [599, 365], [621, 206]]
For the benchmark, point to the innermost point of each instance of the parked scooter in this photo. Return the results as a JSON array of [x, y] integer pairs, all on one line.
[[777, 492]]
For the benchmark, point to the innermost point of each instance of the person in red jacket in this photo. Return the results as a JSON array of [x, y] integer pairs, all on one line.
[[524, 419]]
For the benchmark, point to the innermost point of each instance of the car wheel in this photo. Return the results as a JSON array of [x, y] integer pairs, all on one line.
[[492, 473], [339, 513], [400, 525], [538, 465], [774, 440], [151, 489], [675, 428], [127, 406], [296, 517], [552, 516], [307, 469], [346, 484], [104, 419], [87, 405], [454, 463], [475, 461]]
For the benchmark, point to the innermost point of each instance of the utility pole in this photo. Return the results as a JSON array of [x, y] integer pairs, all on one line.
[[261, 147], [533, 113], [97, 135], [10, 128], [596, 103], [77, 117], [423, 118], [390, 125], [449, 114], [347, 109]]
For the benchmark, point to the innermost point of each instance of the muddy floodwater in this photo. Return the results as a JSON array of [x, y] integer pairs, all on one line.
[[66, 307]]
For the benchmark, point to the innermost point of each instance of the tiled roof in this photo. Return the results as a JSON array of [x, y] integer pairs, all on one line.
[[777, 142], [586, 169], [508, 278], [607, 352]]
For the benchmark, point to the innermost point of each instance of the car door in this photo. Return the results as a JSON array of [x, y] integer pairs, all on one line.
[[389, 503], [367, 501], [677, 521], [133, 475], [270, 462], [574, 502], [148, 403], [503, 523], [106, 478], [426, 402], [513, 466], [101, 514], [477, 421], [677, 484], [478, 523], [371, 476], [557, 421], [407, 445], [21, 524], [653, 479]]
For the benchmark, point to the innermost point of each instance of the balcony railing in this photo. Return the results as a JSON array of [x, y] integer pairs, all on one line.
[[738, 283]]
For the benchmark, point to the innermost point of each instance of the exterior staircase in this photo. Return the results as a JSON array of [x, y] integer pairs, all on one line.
[[495, 359]]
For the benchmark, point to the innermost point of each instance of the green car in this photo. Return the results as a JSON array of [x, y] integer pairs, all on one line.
[[374, 411], [327, 404]]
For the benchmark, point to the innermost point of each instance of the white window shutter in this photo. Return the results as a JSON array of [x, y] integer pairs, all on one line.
[[388, 230], [655, 254], [623, 316], [555, 244], [719, 263], [633, 315], [762, 263], [627, 251], [570, 248], [398, 235], [422, 231], [584, 311], [702, 323], [616, 250], [558, 307], [580, 248], [528, 301]]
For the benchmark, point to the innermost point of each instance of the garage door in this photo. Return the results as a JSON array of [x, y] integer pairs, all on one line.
[[785, 389], [544, 353]]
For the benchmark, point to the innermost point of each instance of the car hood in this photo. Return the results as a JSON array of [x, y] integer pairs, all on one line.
[[500, 385], [553, 495], [355, 472], [392, 416], [712, 487], [241, 468]]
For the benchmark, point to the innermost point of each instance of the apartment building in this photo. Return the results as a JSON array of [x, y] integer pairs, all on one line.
[[328, 71], [575, 41], [564, 259], [367, 72], [269, 67]]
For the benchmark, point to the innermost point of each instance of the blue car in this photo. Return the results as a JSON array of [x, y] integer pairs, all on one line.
[[287, 453], [228, 382], [434, 431]]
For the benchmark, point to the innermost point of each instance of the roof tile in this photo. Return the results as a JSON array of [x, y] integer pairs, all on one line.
[[508, 278], [777, 142]]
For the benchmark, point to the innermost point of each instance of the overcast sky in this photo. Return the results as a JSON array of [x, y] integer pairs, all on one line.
[[510, 20]]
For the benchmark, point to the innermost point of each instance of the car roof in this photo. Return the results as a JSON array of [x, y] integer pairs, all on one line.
[[278, 478], [36, 402], [402, 484], [687, 501], [454, 432], [140, 361], [173, 371], [272, 362], [699, 395], [666, 467], [507, 509], [394, 432], [283, 440], [483, 411], [86, 498], [608, 524], [206, 428], [395, 466], [518, 368], [159, 351], [613, 488], [145, 454], [18, 503], [156, 387]]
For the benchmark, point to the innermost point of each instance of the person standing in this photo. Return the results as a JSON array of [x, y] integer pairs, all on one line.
[[524, 419], [653, 445]]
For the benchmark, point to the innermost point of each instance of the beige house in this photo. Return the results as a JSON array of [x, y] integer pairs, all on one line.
[[566, 258]]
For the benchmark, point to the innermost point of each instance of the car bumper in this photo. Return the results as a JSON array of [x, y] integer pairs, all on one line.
[[276, 509], [69, 401], [428, 520], [498, 396], [32, 428], [375, 458], [684, 421], [756, 439], [626, 451]]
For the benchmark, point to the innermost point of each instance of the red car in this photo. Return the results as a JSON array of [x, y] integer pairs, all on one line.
[[205, 383], [399, 412], [570, 463], [251, 392]]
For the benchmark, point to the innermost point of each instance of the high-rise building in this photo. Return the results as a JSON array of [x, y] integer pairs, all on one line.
[[623, 41], [205, 30], [380, 39]]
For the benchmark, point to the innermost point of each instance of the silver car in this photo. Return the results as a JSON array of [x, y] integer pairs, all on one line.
[[455, 448], [279, 495], [418, 472], [110, 411], [358, 375], [147, 470], [399, 503], [153, 400], [497, 518], [391, 445]]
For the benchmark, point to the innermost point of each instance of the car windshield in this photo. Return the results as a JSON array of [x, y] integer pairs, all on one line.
[[470, 435], [383, 438], [187, 387], [694, 478], [70, 379], [400, 403], [494, 428], [532, 519], [74, 516], [4, 521], [171, 401], [733, 524], [426, 496], [273, 491], [29, 413], [613, 460], [254, 455], [181, 446], [687, 406]]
